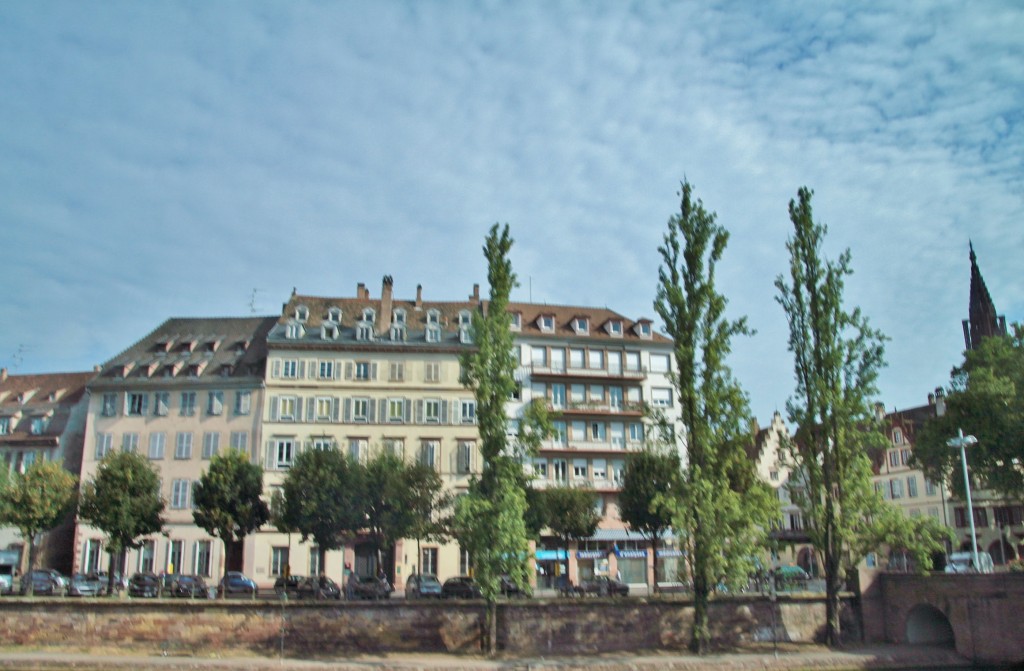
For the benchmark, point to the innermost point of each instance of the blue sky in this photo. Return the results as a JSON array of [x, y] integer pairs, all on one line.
[[169, 158]]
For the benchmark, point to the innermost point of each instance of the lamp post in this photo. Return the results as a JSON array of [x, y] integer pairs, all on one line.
[[961, 441]]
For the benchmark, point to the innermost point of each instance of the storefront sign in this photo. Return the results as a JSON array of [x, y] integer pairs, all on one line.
[[591, 554], [670, 553], [631, 554]]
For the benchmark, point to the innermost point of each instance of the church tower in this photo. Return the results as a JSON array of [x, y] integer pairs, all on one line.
[[982, 320]]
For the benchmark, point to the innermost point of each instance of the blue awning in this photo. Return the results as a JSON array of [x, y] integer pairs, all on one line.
[[551, 555]]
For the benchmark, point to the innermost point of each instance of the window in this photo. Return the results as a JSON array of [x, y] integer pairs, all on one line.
[[396, 410], [432, 372], [576, 358], [329, 331], [397, 371], [211, 444], [5, 426], [104, 443], [636, 432], [465, 564], [929, 488], [465, 457], [433, 318], [175, 556], [36, 426], [326, 409], [894, 458], [468, 412], [595, 359], [398, 316], [980, 517], [596, 393], [618, 472], [558, 395], [293, 331], [428, 561], [896, 488], [162, 403], [364, 331], [188, 403], [598, 432], [579, 469], [547, 323], [395, 447], [517, 321], [334, 315], [290, 368], [579, 430], [243, 402], [360, 410], [240, 440], [180, 490], [615, 398], [644, 329], [912, 486], [540, 469], [282, 453], [581, 325], [559, 467], [301, 313], [465, 319], [109, 405], [659, 363], [578, 393], [538, 356], [183, 445], [615, 327], [279, 561], [203, 558], [137, 404], [314, 560], [661, 397], [432, 411], [363, 370], [156, 445], [428, 453], [904, 456], [897, 437], [91, 556], [357, 449], [326, 370], [369, 315], [288, 408], [433, 334], [561, 433], [130, 442], [399, 333], [215, 405], [323, 443]]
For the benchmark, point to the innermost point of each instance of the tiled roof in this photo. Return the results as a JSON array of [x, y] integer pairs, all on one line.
[[68, 388], [203, 347], [564, 315]]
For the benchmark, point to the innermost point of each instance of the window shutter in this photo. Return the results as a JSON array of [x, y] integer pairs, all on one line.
[[419, 411], [334, 409], [382, 411], [302, 369], [145, 403], [373, 371], [275, 408], [314, 370], [311, 410], [407, 410], [348, 370], [371, 412], [348, 410], [270, 454], [275, 369], [298, 409], [337, 368], [444, 417]]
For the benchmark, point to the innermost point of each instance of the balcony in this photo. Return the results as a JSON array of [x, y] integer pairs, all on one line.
[[540, 372], [588, 446], [627, 408]]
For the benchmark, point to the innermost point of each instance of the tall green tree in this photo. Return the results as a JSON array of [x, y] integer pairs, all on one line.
[[837, 357], [323, 499], [570, 513], [986, 400], [431, 505], [36, 501], [228, 501], [123, 501], [723, 509], [652, 482]]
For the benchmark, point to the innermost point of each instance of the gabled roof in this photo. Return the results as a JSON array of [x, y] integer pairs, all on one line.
[[564, 315]]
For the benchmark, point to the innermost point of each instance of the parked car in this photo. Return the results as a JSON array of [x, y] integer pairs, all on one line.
[[144, 585], [603, 585], [236, 583], [371, 587], [44, 581], [963, 562], [189, 587], [120, 581], [312, 587], [425, 586], [510, 589], [86, 585], [461, 587]]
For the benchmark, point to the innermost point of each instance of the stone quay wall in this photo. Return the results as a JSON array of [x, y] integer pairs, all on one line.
[[312, 629]]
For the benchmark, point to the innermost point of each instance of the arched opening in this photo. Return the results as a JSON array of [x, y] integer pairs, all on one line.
[[808, 561], [927, 625], [1001, 555]]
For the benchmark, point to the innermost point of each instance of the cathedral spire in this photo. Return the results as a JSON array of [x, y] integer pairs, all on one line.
[[982, 320]]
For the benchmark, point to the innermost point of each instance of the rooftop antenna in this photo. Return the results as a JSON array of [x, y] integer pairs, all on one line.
[[252, 300], [18, 357]]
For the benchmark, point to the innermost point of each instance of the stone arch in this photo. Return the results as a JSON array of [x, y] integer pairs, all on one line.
[[997, 554], [928, 625]]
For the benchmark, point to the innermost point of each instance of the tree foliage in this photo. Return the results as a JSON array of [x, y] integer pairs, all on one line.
[[723, 510], [651, 484], [322, 499], [123, 501], [36, 501], [837, 358], [569, 513], [228, 500], [430, 504], [986, 400]]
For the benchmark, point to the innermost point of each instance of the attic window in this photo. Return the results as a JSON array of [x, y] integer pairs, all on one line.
[[546, 323], [465, 319], [897, 437], [433, 333], [615, 327], [581, 325], [162, 346], [334, 315], [369, 315], [364, 331], [398, 316], [398, 332], [302, 313], [294, 331], [329, 331], [643, 329], [517, 321], [210, 346], [187, 346], [226, 370], [433, 317], [464, 336]]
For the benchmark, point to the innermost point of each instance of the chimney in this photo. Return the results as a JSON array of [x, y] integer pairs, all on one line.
[[879, 411], [476, 293], [419, 296], [3, 374], [940, 402], [931, 399], [385, 304], [360, 289]]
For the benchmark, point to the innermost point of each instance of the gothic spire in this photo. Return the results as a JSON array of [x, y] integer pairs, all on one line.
[[982, 320]]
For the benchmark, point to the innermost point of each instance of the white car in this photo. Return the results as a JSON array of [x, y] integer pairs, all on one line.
[[963, 562]]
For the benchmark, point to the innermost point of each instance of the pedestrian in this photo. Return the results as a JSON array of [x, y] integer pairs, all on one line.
[[350, 584]]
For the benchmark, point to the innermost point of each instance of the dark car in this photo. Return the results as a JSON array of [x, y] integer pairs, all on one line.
[[510, 589], [189, 587], [424, 586], [44, 581], [86, 585], [312, 587], [120, 582], [370, 587], [602, 585], [461, 587], [236, 583], [145, 585]]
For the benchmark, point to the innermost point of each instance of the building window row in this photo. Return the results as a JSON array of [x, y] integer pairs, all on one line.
[[366, 410], [356, 371], [459, 456], [615, 362], [137, 404], [581, 471], [156, 442]]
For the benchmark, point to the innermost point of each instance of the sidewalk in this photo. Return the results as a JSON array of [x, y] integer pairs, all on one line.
[[792, 658]]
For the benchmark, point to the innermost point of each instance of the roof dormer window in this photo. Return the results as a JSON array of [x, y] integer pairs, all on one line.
[[398, 316], [517, 321], [433, 317], [581, 325], [294, 331], [614, 328], [465, 319], [398, 332], [364, 331], [546, 323], [897, 437], [433, 334], [465, 337], [329, 331], [369, 315], [334, 315], [643, 329], [301, 313]]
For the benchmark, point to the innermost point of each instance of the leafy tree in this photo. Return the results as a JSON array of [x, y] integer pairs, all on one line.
[[986, 400], [651, 482], [570, 513], [123, 501], [323, 499], [724, 510], [36, 501], [430, 504], [228, 500], [837, 357]]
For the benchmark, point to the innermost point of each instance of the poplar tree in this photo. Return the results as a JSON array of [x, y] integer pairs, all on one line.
[[724, 511], [837, 357]]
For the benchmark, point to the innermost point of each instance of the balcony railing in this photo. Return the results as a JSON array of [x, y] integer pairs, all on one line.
[[635, 408], [568, 371], [589, 446]]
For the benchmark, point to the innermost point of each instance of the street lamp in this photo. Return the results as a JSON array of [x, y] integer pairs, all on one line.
[[963, 442]]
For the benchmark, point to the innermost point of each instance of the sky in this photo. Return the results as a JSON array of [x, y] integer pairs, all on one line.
[[178, 159]]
